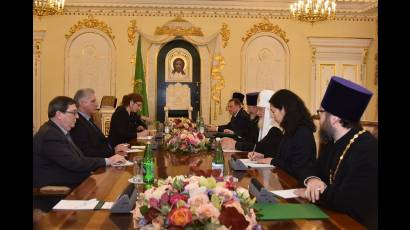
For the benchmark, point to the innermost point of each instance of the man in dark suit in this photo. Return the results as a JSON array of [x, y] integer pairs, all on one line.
[[56, 159], [345, 175], [240, 123], [86, 135]]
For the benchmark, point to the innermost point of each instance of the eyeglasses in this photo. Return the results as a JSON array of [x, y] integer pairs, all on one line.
[[72, 112], [320, 111]]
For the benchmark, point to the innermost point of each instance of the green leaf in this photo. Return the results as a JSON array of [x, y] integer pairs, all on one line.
[[143, 209]]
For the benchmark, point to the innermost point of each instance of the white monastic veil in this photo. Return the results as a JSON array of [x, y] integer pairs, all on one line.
[[268, 122]]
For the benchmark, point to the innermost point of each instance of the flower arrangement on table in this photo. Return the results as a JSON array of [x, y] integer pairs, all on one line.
[[195, 203], [184, 141], [183, 123]]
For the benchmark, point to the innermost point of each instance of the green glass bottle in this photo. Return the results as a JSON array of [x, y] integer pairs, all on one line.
[[148, 164], [218, 161]]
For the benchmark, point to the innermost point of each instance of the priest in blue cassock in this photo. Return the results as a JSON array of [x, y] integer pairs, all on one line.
[[344, 177]]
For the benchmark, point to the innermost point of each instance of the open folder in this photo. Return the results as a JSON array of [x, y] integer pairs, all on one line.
[[288, 211], [92, 204]]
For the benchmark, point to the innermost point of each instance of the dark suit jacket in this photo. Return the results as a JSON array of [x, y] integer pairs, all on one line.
[[240, 125], [123, 127], [355, 188], [90, 139], [296, 151], [268, 145], [56, 161]]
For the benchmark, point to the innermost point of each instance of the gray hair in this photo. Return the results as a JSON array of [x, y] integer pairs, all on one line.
[[82, 93]]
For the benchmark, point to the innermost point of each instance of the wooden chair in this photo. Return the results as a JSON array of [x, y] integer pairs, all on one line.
[[108, 101], [46, 197]]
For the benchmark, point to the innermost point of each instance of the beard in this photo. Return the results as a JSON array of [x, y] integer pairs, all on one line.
[[326, 132]]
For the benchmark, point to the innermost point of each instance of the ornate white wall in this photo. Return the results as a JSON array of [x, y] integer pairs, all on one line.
[[265, 58], [90, 63]]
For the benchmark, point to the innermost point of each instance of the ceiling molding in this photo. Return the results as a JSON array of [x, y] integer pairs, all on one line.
[[275, 9]]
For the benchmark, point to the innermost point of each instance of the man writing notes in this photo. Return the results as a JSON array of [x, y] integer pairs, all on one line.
[[344, 177]]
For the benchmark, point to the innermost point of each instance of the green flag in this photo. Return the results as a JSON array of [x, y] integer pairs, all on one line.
[[139, 80]]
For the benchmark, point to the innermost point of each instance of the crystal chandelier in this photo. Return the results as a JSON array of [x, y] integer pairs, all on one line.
[[313, 10], [48, 7]]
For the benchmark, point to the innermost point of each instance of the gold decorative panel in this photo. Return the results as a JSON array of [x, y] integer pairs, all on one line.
[[90, 22], [265, 26], [132, 29], [178, 27], [225, 33]]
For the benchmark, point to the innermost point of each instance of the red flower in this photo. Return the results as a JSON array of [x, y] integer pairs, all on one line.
[[176, 197], [151, 214], [180, 216], [200, 136], [231, 218]]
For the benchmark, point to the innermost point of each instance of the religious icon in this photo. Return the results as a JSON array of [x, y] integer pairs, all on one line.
[[178, 66]]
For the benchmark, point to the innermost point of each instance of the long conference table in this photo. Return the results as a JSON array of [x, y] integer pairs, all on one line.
[[108, 183]]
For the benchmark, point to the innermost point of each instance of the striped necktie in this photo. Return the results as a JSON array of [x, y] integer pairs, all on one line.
[[70, 140]]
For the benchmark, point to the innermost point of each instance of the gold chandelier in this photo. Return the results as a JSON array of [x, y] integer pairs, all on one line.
[[48, 7], [313, 10]]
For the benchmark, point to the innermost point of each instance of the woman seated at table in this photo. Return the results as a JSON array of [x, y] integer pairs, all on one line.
[[126, 123], [297, 149]]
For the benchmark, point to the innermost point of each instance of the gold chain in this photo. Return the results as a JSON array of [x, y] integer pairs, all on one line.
[[333, 175]]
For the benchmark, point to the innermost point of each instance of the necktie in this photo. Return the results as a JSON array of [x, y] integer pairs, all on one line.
[[91, 120], [70, 140]]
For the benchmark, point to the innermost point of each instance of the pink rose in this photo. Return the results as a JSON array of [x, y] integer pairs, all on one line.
[[153, 203], [197, 200], [207, 211], [223, 192], [180, 216]]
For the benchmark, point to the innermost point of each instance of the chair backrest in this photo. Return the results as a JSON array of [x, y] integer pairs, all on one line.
[[178, 97], [108, 101]]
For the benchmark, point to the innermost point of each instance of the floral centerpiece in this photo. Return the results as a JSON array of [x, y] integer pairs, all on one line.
[[195, 203], [178, 124], [185, 141]]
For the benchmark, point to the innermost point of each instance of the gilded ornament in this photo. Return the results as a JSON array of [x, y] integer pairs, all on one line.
[[178, 27], [225, 33], [265, 26], [90, 22], [132, 29]]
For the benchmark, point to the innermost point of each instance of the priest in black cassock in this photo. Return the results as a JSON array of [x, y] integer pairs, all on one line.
[[251, 101], [269, 135], [344, 177]]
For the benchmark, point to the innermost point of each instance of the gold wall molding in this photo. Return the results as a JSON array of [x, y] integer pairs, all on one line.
[[265, 26], [365, 52], [202, 13], [132, 29], [225, 33], [90, 22], [38, 49], [178, 27]]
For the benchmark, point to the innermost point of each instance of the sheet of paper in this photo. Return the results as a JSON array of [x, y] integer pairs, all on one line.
[[231, 151], [127, 163], [145, 138], [286, 194], [134, 150], [254, 164], [138, 147], [76, 204], [107, 205]]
